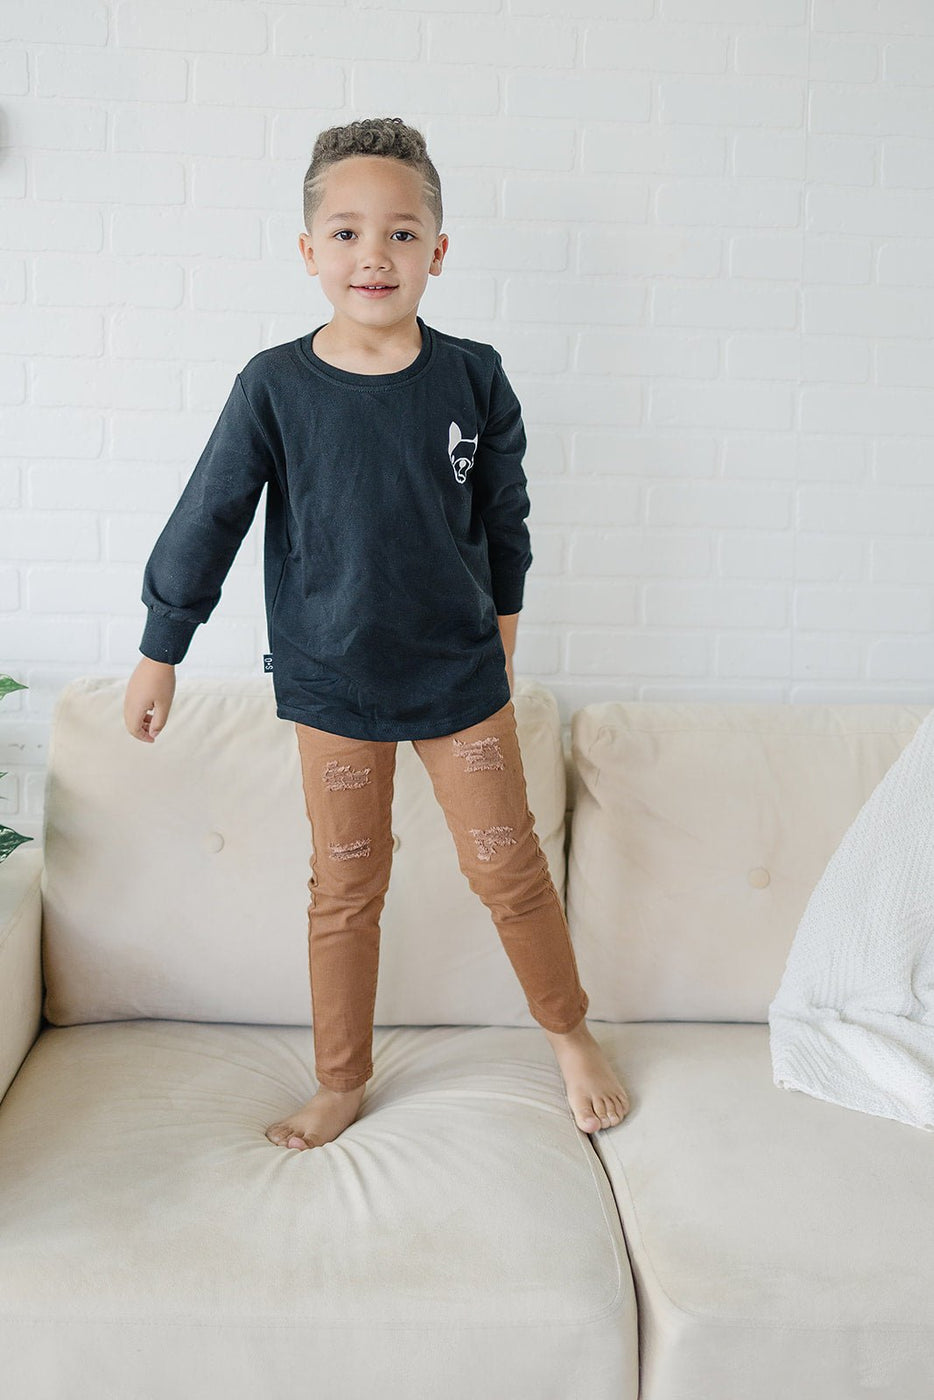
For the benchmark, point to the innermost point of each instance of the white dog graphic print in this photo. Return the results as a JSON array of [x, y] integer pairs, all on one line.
[[461, 451]]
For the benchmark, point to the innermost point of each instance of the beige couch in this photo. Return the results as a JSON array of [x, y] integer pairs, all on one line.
[[463, 1240]]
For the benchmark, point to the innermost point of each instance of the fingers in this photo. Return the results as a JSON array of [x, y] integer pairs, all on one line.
[[148, 699], [145, 724], [160, 713], [135, 719]]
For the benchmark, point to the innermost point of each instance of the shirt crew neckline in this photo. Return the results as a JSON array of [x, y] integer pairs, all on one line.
[[367, 381]]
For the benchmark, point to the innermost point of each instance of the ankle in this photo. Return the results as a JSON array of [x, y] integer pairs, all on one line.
[[580, 1032], [358, 1089]]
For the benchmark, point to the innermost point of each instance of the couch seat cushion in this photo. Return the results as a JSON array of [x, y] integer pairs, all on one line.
[[460, 1239], [781, 1246]]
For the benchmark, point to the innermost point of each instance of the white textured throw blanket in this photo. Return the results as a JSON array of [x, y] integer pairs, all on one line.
[[853, 1019]]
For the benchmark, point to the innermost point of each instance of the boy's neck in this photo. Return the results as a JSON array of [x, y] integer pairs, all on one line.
[[368, 349]]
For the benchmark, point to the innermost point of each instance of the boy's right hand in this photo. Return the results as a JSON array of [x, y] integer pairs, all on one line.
[[150, 688]]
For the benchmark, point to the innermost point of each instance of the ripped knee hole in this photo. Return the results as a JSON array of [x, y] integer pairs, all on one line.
[[490, 837], [480, 753], [342, 775], [351, 850]]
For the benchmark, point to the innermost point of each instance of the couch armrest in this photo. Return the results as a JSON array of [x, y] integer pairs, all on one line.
[[20, 958]]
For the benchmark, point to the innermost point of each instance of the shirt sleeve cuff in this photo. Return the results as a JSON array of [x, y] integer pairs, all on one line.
[[166, 638], [508, 592]]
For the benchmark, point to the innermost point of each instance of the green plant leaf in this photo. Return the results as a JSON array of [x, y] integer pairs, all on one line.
[[9, 840], [7, 683]]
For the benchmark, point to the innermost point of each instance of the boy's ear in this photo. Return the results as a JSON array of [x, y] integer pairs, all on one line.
[[304, 247]]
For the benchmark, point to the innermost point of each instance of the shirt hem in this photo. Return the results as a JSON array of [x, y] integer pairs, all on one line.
[[391, 731]]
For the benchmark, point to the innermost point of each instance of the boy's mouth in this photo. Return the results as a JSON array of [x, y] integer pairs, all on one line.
[[373, 289]]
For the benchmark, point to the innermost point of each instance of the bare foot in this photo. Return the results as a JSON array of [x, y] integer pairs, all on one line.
[[596, 1097], [320, 1120]]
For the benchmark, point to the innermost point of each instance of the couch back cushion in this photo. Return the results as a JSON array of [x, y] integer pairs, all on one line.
[[176, 874], [698, 832]]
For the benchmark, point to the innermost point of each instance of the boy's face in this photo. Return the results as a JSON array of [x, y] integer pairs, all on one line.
[[358, 238]]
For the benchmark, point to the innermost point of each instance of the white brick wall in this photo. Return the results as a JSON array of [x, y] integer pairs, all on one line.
[[701, 232]]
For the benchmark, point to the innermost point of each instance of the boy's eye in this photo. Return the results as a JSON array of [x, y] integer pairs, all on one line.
[[347, 230]]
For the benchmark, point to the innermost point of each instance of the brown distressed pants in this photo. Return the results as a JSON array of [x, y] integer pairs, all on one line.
[[479, 781]]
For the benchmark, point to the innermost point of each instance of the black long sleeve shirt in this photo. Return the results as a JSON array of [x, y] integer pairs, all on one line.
[[395, 534]]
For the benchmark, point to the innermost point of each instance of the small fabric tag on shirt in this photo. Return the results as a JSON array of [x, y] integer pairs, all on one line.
[[267, 660]]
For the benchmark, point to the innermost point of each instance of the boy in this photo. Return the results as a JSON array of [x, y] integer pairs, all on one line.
[[396, 550]]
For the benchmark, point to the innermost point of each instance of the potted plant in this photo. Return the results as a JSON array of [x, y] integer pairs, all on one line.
[[10, 839]]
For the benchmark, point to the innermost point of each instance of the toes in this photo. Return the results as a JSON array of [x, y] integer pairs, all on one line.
[[284, 1135], [618, 1107], [304, 1140], [614, 1110], [608, 1112], [593, 1114]]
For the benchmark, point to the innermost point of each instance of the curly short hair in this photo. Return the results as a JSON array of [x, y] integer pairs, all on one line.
[[373, 136]]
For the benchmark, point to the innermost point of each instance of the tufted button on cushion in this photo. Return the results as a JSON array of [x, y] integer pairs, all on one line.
[[758, 877]]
